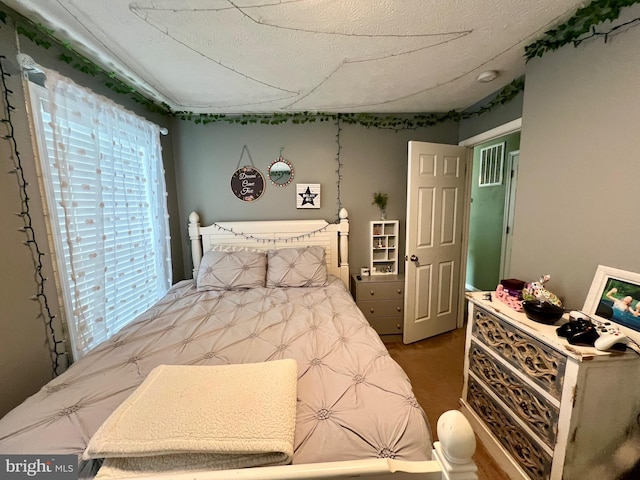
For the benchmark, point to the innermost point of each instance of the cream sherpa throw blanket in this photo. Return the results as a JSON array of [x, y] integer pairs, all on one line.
[[195, 418]]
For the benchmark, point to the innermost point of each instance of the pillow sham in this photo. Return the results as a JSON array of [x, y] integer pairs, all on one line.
[[297, 267], [233, 270]]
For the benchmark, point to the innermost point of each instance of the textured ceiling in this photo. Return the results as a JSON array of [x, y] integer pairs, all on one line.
[[260, 56]]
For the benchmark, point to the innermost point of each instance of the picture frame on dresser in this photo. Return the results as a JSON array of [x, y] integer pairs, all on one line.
[[614, 296]]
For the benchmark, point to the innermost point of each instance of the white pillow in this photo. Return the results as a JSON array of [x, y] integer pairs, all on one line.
[[231, 270], [297, 267]]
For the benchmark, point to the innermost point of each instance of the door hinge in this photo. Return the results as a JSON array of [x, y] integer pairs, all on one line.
[[508, 229]]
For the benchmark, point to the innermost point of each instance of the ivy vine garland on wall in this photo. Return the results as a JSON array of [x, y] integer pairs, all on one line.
[[582, 22], [574, 30]]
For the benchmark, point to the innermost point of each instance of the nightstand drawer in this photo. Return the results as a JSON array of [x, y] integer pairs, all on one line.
[[381, 308], [387, 325], [541, 363], [380, 290], [535, 410]]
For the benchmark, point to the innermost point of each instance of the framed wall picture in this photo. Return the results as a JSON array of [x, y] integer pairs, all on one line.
[[307, 195], [614, 296]]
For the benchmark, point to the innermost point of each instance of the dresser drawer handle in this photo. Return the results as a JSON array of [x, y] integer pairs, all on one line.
[[399, 291], [398, 326], [372, 310], [372, 292], [399, 309]]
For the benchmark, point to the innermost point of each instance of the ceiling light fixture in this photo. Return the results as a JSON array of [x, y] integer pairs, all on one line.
[[487, 76]]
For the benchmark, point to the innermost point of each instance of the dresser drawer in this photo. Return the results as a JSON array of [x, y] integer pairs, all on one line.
[[535, 410], [524, 450], [544, 365], [380, 290]]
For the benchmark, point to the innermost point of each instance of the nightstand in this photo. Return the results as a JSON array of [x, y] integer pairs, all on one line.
[[381, 299]]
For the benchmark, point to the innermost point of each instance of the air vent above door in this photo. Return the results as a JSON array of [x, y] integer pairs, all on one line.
[[491, 165]]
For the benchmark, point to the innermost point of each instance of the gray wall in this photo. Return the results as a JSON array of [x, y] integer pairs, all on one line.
[[372, 160], [579, 181], [24, 355], [491, 119]]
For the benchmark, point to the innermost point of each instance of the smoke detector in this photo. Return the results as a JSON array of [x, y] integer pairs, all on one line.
[[488, 76]]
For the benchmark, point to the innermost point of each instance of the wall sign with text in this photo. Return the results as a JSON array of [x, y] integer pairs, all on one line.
[[307, 195], [247, 183]]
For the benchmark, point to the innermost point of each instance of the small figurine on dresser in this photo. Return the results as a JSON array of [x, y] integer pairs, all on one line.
[[537, 291], [540, 304]]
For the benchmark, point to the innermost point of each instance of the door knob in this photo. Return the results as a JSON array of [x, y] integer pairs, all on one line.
[[413, 258]]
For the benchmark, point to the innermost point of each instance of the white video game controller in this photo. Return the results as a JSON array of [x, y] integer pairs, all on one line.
[[610, 336]]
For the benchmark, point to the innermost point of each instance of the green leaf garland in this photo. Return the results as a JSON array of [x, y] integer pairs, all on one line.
[[585, 18], [578, 25]]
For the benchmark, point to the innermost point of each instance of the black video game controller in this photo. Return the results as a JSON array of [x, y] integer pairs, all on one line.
[[579, 331]]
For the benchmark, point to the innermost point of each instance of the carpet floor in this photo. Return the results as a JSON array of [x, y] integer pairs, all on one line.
[[435, 368]]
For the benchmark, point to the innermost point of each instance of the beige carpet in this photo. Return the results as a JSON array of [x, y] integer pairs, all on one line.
[[435, 368]]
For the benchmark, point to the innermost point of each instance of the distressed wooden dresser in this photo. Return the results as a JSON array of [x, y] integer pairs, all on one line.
[[544, 409]]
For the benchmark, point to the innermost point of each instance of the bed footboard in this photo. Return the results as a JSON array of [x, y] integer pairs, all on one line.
[[452, 460]]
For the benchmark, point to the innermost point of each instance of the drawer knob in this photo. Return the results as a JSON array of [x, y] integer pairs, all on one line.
[[399, 291], [372, 310], [398, 326], [371, 292], [399, 309]]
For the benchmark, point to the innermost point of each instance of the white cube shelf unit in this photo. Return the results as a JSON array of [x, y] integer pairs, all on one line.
[[384, 247]]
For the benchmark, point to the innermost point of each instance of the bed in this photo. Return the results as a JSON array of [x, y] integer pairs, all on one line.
[[355, 413]]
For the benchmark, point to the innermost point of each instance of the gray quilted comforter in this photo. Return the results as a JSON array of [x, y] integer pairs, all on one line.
[[354, 401]]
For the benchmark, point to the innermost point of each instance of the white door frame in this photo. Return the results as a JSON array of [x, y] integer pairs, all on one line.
[[499, 131]]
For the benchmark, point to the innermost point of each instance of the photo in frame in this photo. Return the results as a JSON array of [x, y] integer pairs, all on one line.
[[614, 296], [307, 195]]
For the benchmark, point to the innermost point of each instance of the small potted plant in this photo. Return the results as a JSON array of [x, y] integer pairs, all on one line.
[[380, 200]]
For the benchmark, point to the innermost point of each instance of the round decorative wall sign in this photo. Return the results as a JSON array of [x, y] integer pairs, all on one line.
[[280, 172], [247, 183]]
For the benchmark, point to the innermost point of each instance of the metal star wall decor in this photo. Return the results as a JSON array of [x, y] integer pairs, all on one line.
[[307, 195]]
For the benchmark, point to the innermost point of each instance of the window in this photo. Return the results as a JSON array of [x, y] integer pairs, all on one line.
[[101, 171], [491, 165]]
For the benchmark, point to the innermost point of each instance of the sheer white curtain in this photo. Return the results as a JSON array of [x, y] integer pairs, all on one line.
[[102, 173]]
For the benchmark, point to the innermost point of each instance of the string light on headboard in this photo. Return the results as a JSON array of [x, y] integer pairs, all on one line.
[[272, 240], [338, 161], [56, 346]]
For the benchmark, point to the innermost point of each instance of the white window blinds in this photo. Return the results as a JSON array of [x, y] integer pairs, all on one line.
[[104, 183]]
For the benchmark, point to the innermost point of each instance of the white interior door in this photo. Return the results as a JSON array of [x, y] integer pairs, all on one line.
[[509, 212], [435, 208]]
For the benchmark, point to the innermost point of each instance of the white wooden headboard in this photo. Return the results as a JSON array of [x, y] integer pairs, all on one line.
[[267, 235]]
